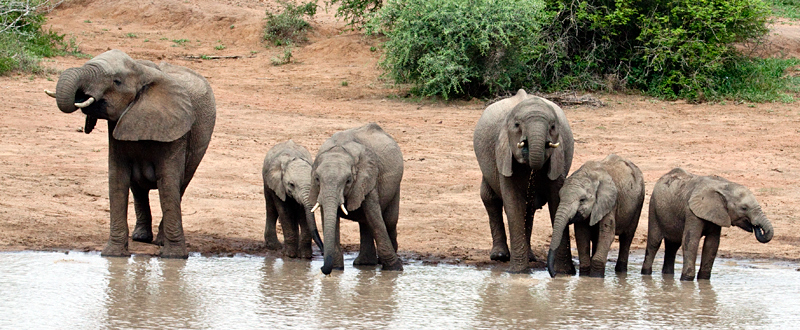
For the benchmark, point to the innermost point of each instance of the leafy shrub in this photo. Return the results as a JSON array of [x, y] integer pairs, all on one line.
[[668, 48], [356, 12], [22, 40], [288, 26], [459, 47], [785, 8]]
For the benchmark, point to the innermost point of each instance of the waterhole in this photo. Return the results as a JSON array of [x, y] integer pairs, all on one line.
[[49, 290]]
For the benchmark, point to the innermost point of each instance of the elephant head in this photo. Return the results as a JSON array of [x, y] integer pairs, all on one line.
[[726, 203], [589, 193], [531, 134], [289, 176], [342, 176], [143, 102]]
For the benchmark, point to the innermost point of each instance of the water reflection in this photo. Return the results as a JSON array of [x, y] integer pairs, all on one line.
[[51, 290], [145, 292]]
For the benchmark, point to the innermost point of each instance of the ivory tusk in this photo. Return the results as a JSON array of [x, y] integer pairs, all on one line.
[[85, 103], [314, 209], [50, 94], [553, 145], [521, 144], [344, 209]]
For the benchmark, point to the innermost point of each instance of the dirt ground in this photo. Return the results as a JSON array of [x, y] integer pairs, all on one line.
[[53, 178]]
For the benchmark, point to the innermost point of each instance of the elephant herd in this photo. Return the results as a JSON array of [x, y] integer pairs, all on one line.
[[161, 118]]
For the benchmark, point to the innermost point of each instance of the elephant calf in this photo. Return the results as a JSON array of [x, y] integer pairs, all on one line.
[[357, 175], [684, 207], [287, 181], [602, 199]]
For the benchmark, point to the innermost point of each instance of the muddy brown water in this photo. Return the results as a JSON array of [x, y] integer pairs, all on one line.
[[50, 290]]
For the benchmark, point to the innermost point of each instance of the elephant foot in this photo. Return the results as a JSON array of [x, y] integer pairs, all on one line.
[[685, 277], [290, 251], [585, 271], [518, 268], [647, 271], [272, 243], [365, 259], [500, 253], [597, 273], [116, 250], [621, 268], [396, 265], [703, 275], [531, 256], [565, 267], [159, 239], [668, 271], [141, 234], [174, 250], [305, 253]]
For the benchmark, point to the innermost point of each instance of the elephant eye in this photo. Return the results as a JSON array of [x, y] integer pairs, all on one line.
[[516, 125], [583, 199], [117, 82], [744, 207], [291, 185]]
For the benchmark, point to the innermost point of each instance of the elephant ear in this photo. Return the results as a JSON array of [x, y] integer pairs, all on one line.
[[502, 153], [161, 111], [365, 174], [605, 198], [274, 175], [707, 203]]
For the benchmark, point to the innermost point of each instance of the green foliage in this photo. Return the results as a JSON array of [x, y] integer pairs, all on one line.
[[289, 27], [285, 58], [356, 12], [785, 8], [756, 80], [459, 47], [22, 41], [667, 48]]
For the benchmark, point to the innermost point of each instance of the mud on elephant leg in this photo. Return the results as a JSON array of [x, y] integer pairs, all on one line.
[[670, 251]]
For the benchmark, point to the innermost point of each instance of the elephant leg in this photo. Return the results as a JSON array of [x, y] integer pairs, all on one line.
[[304, 244], [390, 216], [691, 242], [605, 237], [170, 174], [386, 254], [710, 246], [563, 262], [143, 232], [582, 242], [514, 205], [367, 256], [494, 207], [670, 251], [625, 240], [289, 228], [528, 230], [654, 238], [270, 230], [119, 182]]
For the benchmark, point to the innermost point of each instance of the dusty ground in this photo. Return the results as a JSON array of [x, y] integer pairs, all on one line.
[[53, 179]]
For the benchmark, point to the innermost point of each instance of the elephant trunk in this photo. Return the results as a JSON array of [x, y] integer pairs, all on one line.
[[536, 150], [311, 221], [762, 228], [566, 211], [330, 224], [70, 81]]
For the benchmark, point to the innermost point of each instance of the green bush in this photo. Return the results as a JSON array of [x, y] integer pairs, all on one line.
[[667, 48], [459, 47], [785, 8], [288, 26], [22, 41], [356, 12]]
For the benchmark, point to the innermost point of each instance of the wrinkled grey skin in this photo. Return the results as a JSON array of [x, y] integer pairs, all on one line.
[[160, 120], [602, 199], [536, 123], [359, 169], [287, 182], [684, 207]]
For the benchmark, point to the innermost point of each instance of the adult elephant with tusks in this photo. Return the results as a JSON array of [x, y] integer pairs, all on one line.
[[524, 149], [356, 175], [160, 120]]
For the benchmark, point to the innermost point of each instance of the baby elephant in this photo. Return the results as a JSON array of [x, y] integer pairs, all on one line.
[[685, 207], [287, 182], [602, 199]]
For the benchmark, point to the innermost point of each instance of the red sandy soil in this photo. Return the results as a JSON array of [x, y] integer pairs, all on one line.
[[53, 178]]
